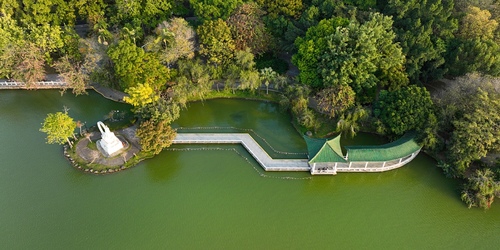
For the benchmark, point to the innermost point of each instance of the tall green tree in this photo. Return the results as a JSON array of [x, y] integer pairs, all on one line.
[[48, 38], [423, 29], [409, 108], [350, 121], [134, 66], [473, 55], [475, 45], [59, 127], [148, 13], [127, 57], [155, 136], [214, 9], [477, 23], [363, 56], [12, 36], [312, 47], [91, 10], [290, 8], [167, 110], [216, 42], [46, 12], [193, 81]]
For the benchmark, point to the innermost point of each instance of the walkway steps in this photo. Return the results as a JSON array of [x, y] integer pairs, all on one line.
[[267, 163]]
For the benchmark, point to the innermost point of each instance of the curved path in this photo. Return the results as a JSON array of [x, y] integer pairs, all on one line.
[[260, 155]]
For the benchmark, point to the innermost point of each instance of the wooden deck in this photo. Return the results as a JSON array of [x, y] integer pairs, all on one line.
[[260, 155]]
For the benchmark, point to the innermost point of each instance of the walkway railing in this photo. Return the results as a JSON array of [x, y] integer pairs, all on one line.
[[260, 155], [38, 85]]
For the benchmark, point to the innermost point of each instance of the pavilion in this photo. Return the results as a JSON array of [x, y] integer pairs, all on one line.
[[326, 156]]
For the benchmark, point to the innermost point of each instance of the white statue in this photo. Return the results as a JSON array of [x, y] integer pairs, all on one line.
[[109, 143]]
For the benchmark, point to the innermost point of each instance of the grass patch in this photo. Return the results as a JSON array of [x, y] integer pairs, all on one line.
[[257, 95], [92, 145]]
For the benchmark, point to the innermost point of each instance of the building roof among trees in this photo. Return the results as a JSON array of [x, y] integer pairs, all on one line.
[[321, 150], [402, 147], [329, 151]]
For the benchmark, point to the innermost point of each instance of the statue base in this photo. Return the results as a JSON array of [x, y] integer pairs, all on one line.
[[110, 150]]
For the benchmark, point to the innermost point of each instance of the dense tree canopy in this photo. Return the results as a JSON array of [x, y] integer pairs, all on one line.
[[134, 66], [275, 8], [248, 29], [336, 100], [477, 23], [353, 56], [363, 56], [480, 56], [422, 29], [216, 42], [481, 189], [155, 136], [477, 132], [73, 74], [469, 120], [312, 47], [141, 12], [409, 108], [173, 40], [214, 9]]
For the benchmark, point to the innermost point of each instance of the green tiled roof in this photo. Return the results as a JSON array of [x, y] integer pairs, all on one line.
[[313, 145], [330, 151], [402, 147]]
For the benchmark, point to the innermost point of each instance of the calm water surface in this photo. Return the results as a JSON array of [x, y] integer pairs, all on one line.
[[212, 199]]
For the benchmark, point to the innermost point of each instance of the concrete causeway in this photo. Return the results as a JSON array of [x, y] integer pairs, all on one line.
[[260, 155]]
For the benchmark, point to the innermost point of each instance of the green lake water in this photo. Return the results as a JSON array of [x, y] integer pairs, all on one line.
[[211, 197]]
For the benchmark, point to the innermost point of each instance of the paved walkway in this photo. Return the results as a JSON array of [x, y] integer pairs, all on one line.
[[260, 155], [109, 93]]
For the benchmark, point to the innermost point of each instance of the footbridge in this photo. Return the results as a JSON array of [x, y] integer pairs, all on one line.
[[260, 155]]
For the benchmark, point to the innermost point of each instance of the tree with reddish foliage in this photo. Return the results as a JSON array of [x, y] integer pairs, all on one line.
[[248, 29]]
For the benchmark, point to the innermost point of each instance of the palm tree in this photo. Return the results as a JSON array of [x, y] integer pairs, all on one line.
[[280, 82], [267, 75], [350, 123]]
